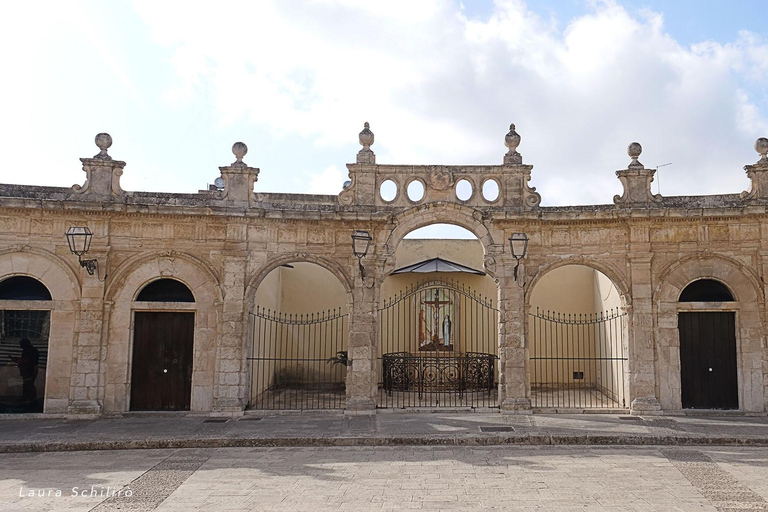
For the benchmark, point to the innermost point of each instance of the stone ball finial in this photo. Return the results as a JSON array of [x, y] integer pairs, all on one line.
[[634, 150], [239, 149], [761, 146], [103, 142], [366, 136]]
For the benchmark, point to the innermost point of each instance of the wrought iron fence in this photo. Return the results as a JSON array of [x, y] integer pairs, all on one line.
[[298, 361], [438, 347], [578, 360]]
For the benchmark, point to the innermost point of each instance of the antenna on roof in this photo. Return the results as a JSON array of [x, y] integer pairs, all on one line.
[[658, 182]]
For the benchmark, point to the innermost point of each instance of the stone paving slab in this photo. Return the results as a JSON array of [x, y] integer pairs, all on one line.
[[383, 429], [541, 478]]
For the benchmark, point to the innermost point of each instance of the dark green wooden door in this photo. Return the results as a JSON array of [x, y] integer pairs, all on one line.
[[161, 379], [708, 360]]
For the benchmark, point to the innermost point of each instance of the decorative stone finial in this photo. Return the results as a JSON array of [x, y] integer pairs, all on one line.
[[366, 155], [239, 149], [103, 141], [512, 140], [634, 150], [366, 136], [761, 146]]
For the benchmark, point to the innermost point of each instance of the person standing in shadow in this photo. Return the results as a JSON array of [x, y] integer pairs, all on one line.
[[27, 363]]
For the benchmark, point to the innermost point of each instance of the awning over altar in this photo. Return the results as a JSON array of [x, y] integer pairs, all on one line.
[[437, 265]]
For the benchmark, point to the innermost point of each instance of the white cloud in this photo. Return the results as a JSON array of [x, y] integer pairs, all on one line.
[[330, 181], [436, 86]]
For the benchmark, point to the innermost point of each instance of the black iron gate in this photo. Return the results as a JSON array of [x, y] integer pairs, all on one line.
[[577, 361], [438, 348], [298, 361]]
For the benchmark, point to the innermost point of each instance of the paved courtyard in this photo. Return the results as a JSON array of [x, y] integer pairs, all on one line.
[[392, 478]]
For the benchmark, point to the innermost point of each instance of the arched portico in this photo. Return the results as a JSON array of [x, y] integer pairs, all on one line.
[[747, 309], [129, 280]]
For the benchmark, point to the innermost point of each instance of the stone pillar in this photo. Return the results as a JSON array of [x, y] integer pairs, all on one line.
[[228, 396], [512, 360], [362, 378], [361, 188], [235, 187], [636, 180], [642, 371], [88, 355], [758, 173], [102, 174], [515, 190]]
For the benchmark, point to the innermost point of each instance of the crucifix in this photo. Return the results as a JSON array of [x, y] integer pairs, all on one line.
[[436, 304]]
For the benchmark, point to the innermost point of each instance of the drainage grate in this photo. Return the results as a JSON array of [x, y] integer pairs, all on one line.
[[250, 418], [216, 420], [497, 429], [631, 418]]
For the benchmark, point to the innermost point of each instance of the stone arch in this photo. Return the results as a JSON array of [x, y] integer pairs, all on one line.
[[441, 213], [328, 264], [739, 278], [63, 283], [553, 347], [158, 265], [749, 302], [612, 272], [131, 278]]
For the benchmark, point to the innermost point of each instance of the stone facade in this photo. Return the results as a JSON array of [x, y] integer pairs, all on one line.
[[223, 242]]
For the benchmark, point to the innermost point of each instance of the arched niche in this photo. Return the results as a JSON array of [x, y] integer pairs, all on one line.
[[695, 278], [706, 290], [133, 278], [165, 290], [39, 292]]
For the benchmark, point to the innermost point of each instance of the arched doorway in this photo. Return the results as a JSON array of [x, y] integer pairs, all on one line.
[[708, 359], [577, 341], [299, 325], [25, 319], [438, 324], [163, 342]]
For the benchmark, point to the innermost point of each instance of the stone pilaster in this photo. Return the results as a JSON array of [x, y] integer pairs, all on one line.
[[230, 370], [512, 361], [87, 383], [643, 397]]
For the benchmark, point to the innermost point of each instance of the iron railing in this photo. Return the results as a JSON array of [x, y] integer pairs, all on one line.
[[578, 360], [438, 347], [298, 361]]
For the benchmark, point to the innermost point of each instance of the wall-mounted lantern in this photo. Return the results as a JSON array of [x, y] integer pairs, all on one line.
[[518, 242], [361, 240], [79, 240]]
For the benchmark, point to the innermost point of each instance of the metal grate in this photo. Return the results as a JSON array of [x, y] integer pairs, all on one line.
[[216, 420], [299, 361], [438, 348], [577, 361], [497, 429]]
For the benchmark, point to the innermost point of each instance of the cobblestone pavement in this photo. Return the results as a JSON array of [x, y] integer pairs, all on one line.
[[547, 478]]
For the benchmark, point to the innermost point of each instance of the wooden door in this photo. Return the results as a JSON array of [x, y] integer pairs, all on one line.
[[708, 360], [161, 379]]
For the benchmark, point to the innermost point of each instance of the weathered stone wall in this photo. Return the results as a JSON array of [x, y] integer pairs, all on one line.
[[222, 243]]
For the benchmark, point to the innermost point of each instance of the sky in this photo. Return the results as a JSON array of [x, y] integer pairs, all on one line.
[[177, 83]]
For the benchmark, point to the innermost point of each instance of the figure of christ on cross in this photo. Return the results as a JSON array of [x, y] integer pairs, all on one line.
[[435, 341]]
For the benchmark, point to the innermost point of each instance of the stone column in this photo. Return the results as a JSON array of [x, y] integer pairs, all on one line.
[[362, 374], [512, 360], [228, 396], [642, 370]]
